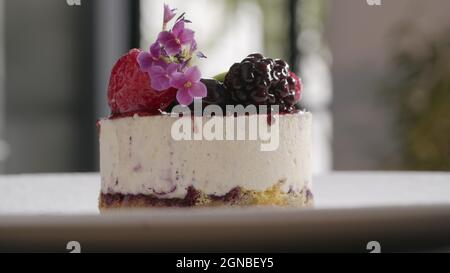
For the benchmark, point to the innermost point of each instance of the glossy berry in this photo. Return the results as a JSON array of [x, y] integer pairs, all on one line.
[[263, 81], [298, 86], [129, 88], [217, 94]]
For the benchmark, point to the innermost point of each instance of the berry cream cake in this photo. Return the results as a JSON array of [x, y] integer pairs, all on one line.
[[144, 162]]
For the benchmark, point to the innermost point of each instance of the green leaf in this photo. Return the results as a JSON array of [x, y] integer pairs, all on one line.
[[220, 77]]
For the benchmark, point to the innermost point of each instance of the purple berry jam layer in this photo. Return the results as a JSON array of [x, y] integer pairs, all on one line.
[[196, 198]]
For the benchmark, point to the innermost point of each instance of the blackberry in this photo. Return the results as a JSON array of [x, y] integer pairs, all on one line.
[[217, 94], [262, 81]]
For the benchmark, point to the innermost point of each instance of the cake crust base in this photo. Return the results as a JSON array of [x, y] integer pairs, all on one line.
[[194, 198]]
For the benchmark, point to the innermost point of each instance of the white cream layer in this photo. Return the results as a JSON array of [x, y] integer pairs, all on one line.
[[139, 156]]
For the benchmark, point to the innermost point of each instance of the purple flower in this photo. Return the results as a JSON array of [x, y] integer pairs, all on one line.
[[160, 76], [189, 85], [148, 59], [174, 40], [169, 66], [193, 46], [168, 14]]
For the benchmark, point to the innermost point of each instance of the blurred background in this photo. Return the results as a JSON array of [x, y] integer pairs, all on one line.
[[377, 78]]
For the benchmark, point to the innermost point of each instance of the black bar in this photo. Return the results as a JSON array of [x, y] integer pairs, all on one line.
[[226, 262]]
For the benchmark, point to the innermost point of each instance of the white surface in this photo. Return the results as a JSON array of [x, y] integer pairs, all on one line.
[[78, 193]]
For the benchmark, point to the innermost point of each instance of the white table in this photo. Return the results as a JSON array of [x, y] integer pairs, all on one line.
[[78, 193], [401, 211]]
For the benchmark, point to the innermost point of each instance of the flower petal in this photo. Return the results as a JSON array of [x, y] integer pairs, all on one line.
[[178, 80], [193, 74], [145, 61], [155, 50], [193, 46], [178, 28], [164, 37], [157, 70], [159, 78], [183, 97], [161, 63], [172, 47], [186, 36], [198, 90], [172, 68], [168, 13]]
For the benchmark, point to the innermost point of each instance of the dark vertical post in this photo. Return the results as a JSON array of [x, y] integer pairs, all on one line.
[[294, 52], [85, 101], [135, 23]]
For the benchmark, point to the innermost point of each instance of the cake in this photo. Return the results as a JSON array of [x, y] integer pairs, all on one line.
[[174, 139]]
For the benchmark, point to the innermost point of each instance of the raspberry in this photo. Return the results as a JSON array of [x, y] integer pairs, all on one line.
[[263, 81], [129, 88], [298, 86]]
